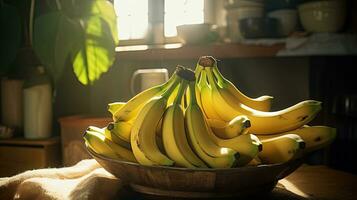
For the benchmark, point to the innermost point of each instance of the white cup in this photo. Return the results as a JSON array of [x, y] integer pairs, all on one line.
[[148, 78]]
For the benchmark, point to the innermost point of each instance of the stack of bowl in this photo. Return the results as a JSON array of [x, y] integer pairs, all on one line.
[[323, 15], [265, 19]]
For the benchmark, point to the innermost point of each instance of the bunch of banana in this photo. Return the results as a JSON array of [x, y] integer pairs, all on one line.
[[174, 136], [200, 119], [283, 134]]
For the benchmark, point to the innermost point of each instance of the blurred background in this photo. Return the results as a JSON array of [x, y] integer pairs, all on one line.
[[290, 49]]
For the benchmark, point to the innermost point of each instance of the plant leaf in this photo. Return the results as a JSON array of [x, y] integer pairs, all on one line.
[[97, 51], [104, 9], [55, 38]]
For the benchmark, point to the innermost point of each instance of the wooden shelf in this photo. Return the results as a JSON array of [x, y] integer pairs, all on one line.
[[23, 141], [178, 51]]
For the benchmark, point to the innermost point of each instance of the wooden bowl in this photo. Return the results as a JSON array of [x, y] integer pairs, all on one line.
[[177, 182]]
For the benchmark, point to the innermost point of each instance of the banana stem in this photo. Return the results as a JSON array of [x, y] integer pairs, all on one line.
[[218, 75], [202, 78], [211, 80], [171, 88], [192, 89], [198, 70], [182, 89], [169, 82]]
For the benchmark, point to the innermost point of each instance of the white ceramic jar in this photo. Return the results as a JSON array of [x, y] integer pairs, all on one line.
[[37, 95]]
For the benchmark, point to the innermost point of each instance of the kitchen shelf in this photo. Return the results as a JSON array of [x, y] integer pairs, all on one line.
[[20, 154], [179, 51]]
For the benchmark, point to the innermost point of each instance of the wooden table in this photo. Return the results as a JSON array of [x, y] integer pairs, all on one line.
[[306, 183]]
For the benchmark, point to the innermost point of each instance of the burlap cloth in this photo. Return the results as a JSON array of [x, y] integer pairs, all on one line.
[[88, 180]]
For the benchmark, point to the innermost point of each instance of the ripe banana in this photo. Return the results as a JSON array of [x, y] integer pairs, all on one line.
[[109, 133], [315, 137], [197, 129], [121, 129], [262, 103], [143, 132], [206, 98], [102, 145], [95, 141], [237, 126], [263, 122], [131, 109], [248, 146], [281, 149], [115, 107], [174, 135]]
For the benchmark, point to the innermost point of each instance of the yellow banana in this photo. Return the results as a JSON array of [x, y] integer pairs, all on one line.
[[109, 135], [248, 146], [143, 132], [206, 98], [197, 129], [315, 137], [262, 103], [102, 145], [95, 141], [263, 122], [131, 109], [281, 149], [237, 126], [115, 107], [121, 129], [174, 135]]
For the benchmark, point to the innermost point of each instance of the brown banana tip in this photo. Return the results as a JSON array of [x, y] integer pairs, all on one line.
[[302, 145], [84, 134], [187, 74], [179, 67], [260, 147], [207, 61], [110, 126], [247, 124]]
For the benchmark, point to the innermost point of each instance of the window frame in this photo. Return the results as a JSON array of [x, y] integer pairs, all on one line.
[[157, 6]]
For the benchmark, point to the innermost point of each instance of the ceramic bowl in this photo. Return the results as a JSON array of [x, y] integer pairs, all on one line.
[[196, 33], [206, 183], [288, 19], [323, 16]]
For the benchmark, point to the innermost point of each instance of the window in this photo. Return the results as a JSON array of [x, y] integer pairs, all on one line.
[[178, 12], [134, 22], [132, 18]]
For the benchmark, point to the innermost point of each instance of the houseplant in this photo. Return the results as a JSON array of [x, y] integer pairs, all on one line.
[[82, 33]]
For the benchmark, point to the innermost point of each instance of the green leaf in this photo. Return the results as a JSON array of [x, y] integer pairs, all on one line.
[[86, 8], [97, 53], [84, 31], [106, 10], [55, 38]]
